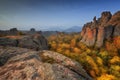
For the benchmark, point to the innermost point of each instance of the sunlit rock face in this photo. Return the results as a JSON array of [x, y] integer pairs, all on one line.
[[100, 37], [105, 27], [89, 36], [25, 64]]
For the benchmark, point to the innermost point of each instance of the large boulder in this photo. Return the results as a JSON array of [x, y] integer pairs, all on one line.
[[25, 64], [35, 42]]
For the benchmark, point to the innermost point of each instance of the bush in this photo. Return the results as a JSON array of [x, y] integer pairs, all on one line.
[[116, 42], [20, 33], [106, 77], [115, 59]]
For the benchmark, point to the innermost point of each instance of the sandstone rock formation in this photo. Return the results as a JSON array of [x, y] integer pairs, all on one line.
[[106, 27], [25, 64], [35, 42]]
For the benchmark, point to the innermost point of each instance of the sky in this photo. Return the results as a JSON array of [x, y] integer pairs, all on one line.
[[52, 14]]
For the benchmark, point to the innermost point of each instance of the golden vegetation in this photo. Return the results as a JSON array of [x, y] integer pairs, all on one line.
[[101, 64]]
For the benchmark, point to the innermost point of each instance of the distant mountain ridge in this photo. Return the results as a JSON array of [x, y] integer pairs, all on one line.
[[74, 29]]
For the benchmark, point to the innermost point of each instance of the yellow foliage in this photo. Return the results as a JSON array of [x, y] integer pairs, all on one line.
[[106, 77], [88, 51], [116, 67], [99, 61], [103, 70], [73, 43], [81, 45], [115, 70], [115, 59], [104, 53], [64, 45], [93, 64], [53, 45], [59, 50]]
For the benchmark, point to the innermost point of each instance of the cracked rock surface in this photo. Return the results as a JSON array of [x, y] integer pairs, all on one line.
[[25, 64]]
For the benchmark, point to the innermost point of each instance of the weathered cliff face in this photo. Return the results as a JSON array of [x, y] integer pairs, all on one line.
[[25, 64], [35, 42], [88, 36], [107, 26]]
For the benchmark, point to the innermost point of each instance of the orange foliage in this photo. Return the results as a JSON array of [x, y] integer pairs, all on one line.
[[65, 45], [53, 45], [76, 50], [13, 37], [59, 50], [81, 45], [117, 42], [53, 37], [73, 43], [111, 48], [67, 51], [106, 77], [92, 73]]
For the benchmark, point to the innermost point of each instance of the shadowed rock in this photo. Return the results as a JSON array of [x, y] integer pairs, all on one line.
[[35, 42], [8, 42]]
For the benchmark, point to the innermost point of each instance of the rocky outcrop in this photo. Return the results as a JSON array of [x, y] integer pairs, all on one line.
[[15, 32], [25, 64], [12, 31], [8, 42], [35, 42], [106, 27]]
